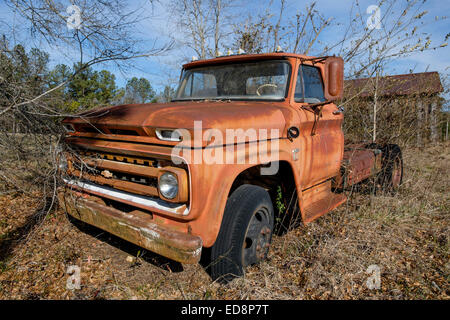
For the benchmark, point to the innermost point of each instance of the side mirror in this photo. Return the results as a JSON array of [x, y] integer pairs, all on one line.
[[334, 78]]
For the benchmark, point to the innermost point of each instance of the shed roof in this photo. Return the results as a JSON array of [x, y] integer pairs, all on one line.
[[403, 84]]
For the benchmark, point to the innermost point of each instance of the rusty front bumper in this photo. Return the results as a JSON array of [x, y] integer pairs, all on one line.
[[136, 227]]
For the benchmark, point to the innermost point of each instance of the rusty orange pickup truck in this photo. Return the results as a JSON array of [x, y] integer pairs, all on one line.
[[202, 174]]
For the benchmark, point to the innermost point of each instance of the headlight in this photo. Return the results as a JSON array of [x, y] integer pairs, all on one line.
[[168, 185], [168, 135]]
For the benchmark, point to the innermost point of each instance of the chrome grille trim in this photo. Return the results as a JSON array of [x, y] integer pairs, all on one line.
[[133, 198]]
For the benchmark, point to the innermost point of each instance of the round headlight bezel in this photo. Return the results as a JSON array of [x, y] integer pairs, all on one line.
[[168, 185]]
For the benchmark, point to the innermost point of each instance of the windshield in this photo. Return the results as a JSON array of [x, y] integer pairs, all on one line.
[[263, 80]]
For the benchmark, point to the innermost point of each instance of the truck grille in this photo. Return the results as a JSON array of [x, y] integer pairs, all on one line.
[[107, 130], [132, 174]]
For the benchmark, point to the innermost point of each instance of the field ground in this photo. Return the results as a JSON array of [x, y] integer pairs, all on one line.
[[407, 236]]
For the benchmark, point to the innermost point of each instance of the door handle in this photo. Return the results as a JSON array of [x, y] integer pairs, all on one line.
[[339, 111]]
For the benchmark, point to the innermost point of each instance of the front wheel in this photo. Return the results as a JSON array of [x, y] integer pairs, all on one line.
[[245, 233]]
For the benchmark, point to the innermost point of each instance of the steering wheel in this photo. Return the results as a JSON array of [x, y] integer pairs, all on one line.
[[273, 85]]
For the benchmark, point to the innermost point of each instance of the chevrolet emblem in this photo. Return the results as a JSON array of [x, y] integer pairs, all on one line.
[[106, 174]]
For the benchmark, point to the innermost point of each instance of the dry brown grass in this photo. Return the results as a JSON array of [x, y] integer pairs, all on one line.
[[407, 236]]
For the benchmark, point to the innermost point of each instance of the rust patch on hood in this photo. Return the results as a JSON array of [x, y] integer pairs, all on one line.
[[219, 115]]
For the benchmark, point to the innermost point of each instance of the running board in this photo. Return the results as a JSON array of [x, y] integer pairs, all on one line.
[[319, 200]]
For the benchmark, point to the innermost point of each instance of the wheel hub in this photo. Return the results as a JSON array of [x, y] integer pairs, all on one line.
[[263, 243], [257, 238]]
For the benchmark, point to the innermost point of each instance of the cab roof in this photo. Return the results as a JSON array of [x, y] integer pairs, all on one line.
[[244, 57]]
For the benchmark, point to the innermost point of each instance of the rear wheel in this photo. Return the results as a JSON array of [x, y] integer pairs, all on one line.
[[391, 176], [245, 233]]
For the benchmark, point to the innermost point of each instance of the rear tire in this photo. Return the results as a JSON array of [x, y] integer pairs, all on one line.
[[245, 233], [391, 176]]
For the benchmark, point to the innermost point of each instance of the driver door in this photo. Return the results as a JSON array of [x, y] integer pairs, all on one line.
[[321, 136]]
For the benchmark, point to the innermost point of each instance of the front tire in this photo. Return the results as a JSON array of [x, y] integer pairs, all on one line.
[[245, 233]]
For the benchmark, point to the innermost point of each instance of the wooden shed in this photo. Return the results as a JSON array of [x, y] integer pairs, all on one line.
[[405, 107]]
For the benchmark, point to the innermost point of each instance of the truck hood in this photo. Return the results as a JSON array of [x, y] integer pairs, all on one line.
[[220, 115]]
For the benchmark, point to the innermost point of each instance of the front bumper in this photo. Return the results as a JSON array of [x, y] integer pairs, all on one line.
[[136, 227]]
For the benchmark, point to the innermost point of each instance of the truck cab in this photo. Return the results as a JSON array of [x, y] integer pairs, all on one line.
[[201, 171]]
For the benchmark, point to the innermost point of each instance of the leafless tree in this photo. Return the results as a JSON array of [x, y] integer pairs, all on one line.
[[203, 24], [368, 51], [292, 33], [107, 33]]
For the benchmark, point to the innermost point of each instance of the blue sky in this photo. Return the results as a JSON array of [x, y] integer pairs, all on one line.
[[164, 69]]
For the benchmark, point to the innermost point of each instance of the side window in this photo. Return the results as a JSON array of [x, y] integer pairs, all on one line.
[[312, 84], [298, 94]]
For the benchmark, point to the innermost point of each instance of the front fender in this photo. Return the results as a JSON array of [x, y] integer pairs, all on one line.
[[211, 184]]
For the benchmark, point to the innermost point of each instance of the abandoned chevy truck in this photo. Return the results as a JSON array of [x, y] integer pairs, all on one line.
[[204, 170]]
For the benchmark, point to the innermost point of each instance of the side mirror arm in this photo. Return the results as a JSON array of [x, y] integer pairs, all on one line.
[[339, 110]]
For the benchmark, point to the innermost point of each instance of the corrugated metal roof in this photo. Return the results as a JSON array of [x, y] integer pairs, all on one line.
[[403, 84]]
